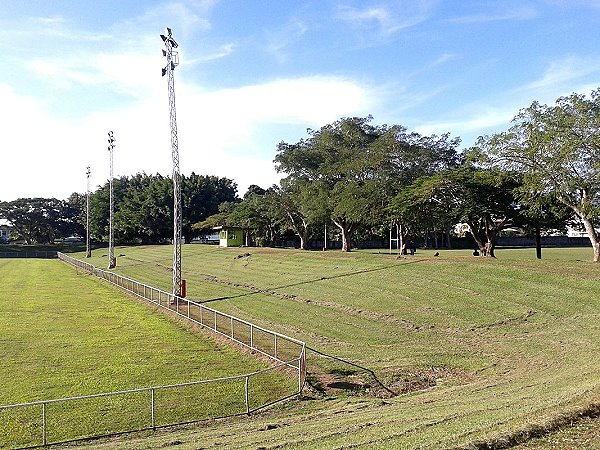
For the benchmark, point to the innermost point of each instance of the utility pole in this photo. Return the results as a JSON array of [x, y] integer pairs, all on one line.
[[112, 262], [172, 62], [88, 249]]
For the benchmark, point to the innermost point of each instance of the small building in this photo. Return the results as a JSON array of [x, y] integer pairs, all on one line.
[[230, 236], [4, 231]]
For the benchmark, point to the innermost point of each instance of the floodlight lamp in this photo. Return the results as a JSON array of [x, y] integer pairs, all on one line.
[[164, 52], [163, 37], [164, 71], [169, 32]]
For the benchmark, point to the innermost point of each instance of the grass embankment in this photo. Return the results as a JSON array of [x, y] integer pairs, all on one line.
[[64, 334], [500, 344]]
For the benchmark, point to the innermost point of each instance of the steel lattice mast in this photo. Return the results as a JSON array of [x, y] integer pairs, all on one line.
[[88, 249], [111, 243], [172, 62]]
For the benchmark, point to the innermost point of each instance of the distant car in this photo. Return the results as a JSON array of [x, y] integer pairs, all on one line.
[[73, 240]]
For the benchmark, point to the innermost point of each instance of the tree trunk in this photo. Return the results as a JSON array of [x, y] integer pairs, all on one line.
[[538, 243], [591, 231], [301, 231], [346, 230], [480, 244]]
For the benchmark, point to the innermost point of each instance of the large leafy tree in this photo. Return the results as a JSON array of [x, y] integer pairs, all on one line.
[[483, 199], [344, 162], [201, 196], [41, 220], [557, 148], [411, 158]]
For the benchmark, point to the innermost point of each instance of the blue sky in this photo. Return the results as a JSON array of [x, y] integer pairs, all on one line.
[[254, 73]]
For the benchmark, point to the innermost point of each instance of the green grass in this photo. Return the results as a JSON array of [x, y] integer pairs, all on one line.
[[64, 333], [505, 342]]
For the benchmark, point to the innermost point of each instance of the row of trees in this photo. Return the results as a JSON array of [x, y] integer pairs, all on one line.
[[539, 175], [143, 210]]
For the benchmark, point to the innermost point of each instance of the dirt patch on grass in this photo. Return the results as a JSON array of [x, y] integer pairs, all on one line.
[[353, 381]]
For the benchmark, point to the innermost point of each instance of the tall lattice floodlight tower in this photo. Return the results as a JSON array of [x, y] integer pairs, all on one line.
[[88, 249], [172, 62], [111, 242]]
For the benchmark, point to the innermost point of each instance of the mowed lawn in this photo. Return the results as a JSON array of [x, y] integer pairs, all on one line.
[[64, 333], [494, 345]]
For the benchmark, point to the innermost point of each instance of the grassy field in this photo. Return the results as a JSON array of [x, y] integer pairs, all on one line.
[[477, 350], [64, 334]]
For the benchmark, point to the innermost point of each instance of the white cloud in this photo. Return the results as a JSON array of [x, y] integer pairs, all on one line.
[[521, 12], [278, 40], [565, 71], [226, 133], [387, 19]]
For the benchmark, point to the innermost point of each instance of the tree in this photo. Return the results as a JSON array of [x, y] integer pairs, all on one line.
[[482, 198], [259, 214], [412, 158], [304, 205], [201, 196], [40, 220], [557, 149], [343, 161]]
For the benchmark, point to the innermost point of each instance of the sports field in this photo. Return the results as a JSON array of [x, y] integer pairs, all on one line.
[[64, 333], [462, 350], [474, 349]]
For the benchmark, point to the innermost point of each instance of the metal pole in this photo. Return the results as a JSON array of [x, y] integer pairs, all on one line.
[[88, 249], [111, 244], [172, 62], [44, 423], [247, 395], [152, 406]]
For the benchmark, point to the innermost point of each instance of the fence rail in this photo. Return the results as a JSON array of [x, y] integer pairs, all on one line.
[[30, 254], [155, 406], [272, 344]]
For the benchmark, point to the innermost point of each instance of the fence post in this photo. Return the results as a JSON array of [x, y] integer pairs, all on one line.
[[215, 320], [247, 395], [188, 308], [152, 407], [44, 423], [275, 346], [301, 365], [251, 336], [231, 318]]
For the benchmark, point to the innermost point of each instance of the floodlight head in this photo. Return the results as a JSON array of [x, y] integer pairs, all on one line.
[[164, 71], [169, 32], [164, 52], [163, 37]]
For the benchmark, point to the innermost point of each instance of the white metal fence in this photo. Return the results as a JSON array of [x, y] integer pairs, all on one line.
[[60, 420], [276, 346]]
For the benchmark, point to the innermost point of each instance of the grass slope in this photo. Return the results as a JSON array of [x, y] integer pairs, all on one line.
[[501, 343], [64, 333]]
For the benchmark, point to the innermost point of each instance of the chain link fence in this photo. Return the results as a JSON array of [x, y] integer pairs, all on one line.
[[60, 420]]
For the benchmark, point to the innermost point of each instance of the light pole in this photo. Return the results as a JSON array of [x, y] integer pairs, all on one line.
[[88, 249], [111, 244], [172, 62]]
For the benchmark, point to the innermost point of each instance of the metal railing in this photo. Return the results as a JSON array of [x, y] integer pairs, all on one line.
[[140, 409], [272, 344], [30, 254], [35, 427]]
